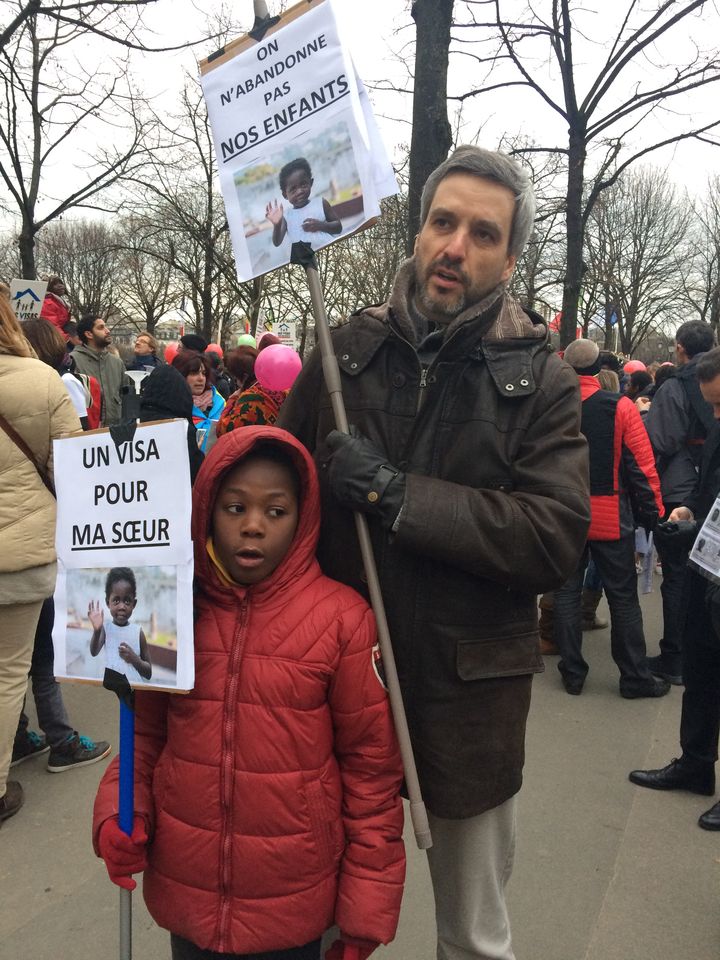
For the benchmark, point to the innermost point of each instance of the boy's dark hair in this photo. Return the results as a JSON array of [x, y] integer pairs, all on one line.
[[695, 337], [267, 450], [116, 575], [609, 361], [640, 379], [299, 163], [663, 374], [85, 326]]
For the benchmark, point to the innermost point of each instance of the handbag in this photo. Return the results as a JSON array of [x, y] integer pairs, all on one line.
[[20, 443]]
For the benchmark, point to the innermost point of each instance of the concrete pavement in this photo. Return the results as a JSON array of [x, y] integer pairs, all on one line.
[[604, 870]]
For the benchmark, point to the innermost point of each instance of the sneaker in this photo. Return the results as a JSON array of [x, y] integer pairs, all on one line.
[[30, 745], [12, 801], [77, 751]]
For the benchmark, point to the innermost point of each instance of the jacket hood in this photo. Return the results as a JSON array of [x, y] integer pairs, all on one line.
[[166, 393], [227, 452], [504, 316]]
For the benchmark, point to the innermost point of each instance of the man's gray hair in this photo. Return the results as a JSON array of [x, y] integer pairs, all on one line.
[[494, 166]]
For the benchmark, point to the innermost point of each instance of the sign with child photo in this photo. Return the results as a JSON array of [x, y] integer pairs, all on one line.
[[297, 147], [123, 598]]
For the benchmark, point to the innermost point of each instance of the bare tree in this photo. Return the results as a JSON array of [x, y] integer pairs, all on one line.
[[84, 254], [49, 100], [634, 249], [702, 279], [636, 79], [149, 288], [179, 198]]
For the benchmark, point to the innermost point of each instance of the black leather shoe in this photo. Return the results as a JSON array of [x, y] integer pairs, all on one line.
[[573, 685], [710, 820], [654, 687], [677, 776], [660, 668]]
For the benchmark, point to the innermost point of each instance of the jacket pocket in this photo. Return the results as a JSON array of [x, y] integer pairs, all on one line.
[[326, 824], [499, 657]]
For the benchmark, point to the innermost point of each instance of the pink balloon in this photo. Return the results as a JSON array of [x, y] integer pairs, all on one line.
[[632, 366], [171, 352], [277, 367], [214, 348]]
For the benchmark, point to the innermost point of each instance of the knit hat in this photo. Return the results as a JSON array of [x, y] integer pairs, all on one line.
[[193, 341], [583, 356]]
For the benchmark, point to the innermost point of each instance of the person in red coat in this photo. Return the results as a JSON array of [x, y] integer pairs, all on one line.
[[267, 800], [624, 493], [55, 307]]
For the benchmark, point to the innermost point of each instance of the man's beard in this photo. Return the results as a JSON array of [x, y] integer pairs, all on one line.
[[445, 309]]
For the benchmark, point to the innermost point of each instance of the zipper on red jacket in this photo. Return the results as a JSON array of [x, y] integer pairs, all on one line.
[[226, 769]]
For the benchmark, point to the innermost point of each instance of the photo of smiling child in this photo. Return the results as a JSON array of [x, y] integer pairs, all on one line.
[[305, 216], [126, 647]]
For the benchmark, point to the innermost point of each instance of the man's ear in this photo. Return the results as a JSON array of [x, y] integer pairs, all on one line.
[[415, 243]]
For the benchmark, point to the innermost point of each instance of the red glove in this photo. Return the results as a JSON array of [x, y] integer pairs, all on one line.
[[351, 948], [123, 854]]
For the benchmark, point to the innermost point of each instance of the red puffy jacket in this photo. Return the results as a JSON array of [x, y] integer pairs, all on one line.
[[622, 463], [56, 311], [271, 791]]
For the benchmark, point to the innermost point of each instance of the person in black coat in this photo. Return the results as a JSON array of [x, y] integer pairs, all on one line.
[[164, 395], [700, 719]]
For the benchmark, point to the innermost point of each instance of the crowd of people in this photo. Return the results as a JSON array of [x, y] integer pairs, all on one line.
[[492, 472]]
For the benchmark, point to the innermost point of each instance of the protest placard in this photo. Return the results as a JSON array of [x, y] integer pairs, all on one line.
[[27, 297], [125, 564], [298, 151]]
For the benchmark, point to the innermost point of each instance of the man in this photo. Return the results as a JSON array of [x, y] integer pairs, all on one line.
[[700, 718], [624, 493], [92, 358], [470, 466], [677, 423]]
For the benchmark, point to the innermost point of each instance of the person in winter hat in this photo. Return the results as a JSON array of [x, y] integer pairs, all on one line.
[[267, 800]]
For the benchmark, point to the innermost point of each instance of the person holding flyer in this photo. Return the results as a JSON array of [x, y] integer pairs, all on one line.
[[306, 216], [267, 800], [694, 771]]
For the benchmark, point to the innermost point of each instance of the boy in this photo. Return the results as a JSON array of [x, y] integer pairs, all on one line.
[[306, 216], [266, 800], [126, 648]]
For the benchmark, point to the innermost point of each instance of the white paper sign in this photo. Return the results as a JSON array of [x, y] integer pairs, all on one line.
[[27, 297], [706, 549], [298, 151], [123, 597], [133, 500]]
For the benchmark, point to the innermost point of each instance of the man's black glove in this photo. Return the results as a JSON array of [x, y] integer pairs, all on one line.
[[676, 535], [361, 478]]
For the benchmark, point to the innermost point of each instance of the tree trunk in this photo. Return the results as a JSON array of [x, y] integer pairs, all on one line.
[[574, 266], [26, 247], [431, 133]]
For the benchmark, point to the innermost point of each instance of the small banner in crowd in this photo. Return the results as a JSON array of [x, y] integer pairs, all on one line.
[[298, 151], [125, 561], [27, 297]]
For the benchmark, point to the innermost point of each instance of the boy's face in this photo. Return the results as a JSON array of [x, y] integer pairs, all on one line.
[[121, 602], [254, 519], [297, 188]]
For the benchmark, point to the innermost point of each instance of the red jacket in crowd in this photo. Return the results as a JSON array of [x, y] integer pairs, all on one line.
[[271, 791], [56, 311], [624, 484]]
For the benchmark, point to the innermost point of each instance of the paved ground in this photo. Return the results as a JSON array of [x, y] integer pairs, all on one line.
[[604, 870]]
